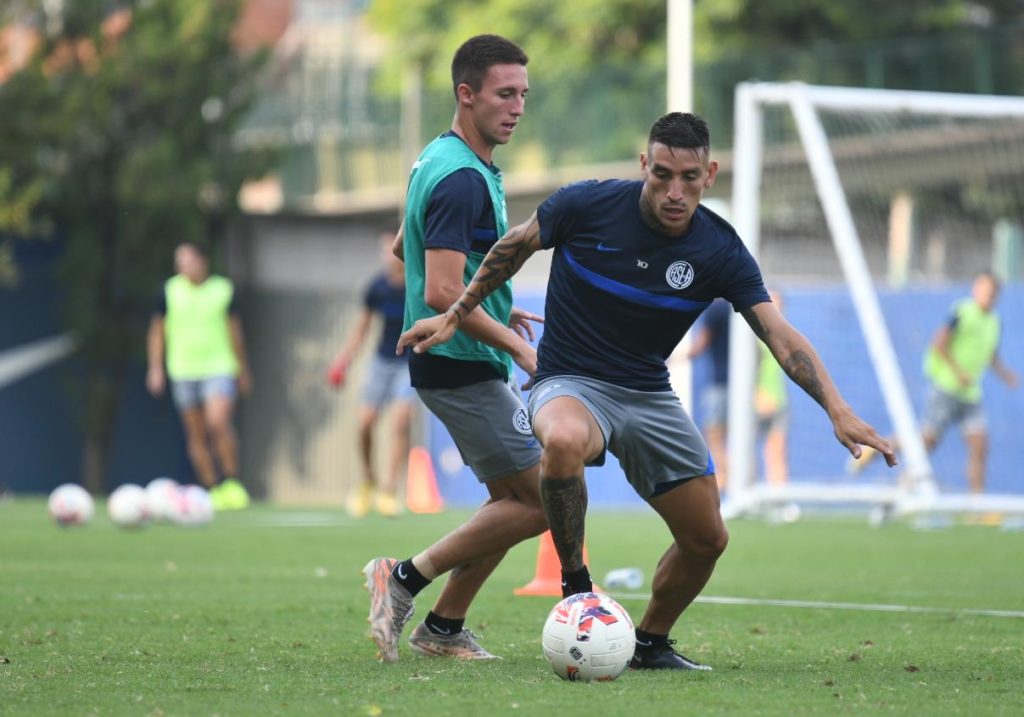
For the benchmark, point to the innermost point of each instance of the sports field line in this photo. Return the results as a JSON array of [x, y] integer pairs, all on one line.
[[816, 605]]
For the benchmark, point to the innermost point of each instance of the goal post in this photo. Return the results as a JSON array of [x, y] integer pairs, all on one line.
[[802, 155]]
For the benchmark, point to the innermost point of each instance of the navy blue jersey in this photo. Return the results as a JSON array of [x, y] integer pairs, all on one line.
[[384, 298], [716, 321], [622, 295], [460, 217]]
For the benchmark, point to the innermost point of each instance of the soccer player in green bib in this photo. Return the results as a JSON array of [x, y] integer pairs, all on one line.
[[964, 348], [196, 329], [455, 212], [956, 361]]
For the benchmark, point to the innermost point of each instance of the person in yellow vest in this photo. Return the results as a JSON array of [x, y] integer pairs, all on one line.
[[964, 348], [771, 405], [196, 329]]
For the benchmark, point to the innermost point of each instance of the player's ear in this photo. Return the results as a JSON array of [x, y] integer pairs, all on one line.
[[643, 164], [709, 180], [465, 94]]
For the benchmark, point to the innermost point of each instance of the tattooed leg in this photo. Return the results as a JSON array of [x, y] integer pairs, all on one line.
[[565, 503]]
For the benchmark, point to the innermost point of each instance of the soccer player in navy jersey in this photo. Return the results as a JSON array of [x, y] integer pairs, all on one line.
[[386, 384], [635, 264], [455, 212]]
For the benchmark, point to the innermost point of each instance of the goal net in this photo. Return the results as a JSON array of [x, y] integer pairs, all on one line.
[[870, 211]]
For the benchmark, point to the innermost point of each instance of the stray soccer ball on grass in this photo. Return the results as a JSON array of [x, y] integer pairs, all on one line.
[[588, 638], [128, 506], [70, 504]]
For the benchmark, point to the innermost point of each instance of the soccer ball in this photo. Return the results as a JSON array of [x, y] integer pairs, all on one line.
[[588, 638], [194, 506], [128, 506], [162, 496], [70, 504]]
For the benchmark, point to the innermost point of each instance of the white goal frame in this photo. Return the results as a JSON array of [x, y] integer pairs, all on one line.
[[915, 491]]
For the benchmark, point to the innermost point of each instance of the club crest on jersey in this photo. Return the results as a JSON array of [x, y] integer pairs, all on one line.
[[679, 275], [521, 422]]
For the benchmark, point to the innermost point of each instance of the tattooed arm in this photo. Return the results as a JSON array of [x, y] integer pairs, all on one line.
[[503, 260], [801, 363]]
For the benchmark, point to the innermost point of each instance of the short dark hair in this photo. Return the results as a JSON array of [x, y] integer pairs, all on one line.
[[478, 54], [681, 130]]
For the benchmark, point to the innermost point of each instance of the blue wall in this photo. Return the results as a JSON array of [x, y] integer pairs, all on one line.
[[40, 436], [826, 316], [40, 442]]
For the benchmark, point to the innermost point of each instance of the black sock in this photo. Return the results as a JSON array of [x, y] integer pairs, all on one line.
[[576, 582], [409, 577], [649, 640], [443, 625]]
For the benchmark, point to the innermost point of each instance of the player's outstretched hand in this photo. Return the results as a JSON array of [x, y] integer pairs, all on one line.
[[519, 321], [853, 433], [428, 332], [337, 373]]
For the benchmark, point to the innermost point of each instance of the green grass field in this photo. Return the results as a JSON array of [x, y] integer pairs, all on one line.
[[257, 615]]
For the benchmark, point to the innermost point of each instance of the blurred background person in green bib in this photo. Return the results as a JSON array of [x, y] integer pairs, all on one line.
[[197, 332]]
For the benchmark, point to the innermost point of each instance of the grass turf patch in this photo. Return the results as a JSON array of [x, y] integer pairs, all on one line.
[[260, 614]]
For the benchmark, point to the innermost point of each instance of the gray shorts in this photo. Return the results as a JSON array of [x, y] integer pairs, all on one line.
[[387, 381], [655, 440], [943, 410], [193, 393], [774, 421], [489, 425], [715, 404]]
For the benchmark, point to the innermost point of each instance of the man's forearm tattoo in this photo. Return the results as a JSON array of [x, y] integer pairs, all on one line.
[[565, 502], [503, 260], [800, 368], [755, 325]]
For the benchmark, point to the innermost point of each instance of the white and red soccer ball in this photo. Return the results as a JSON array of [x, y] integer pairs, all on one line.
[[195, 506], [128, 506], [163, 497], [588, 638], [70, 504]]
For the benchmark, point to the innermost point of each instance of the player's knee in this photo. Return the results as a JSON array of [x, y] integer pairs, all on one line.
[[564, 449], [708, 544], [366, 422], [219, 429]]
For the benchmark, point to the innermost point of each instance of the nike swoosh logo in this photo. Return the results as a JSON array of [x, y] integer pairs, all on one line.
[[644, 644], [604, 247], [442, 631], [400, 573]]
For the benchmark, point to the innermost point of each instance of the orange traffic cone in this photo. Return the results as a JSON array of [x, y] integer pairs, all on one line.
[[421, 493], [547, 579]]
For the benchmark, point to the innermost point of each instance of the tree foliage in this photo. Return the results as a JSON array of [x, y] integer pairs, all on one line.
[[122, 121], [570, 37]]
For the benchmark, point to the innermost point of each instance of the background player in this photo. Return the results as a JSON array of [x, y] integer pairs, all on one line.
[[197, 329], [713, 339], [963, 349], [771, 406], [386, 384]]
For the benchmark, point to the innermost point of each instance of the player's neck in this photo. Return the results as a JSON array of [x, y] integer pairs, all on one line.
[[481, 147]]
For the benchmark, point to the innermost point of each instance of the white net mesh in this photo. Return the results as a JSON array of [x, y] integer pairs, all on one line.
[[935, 198]]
